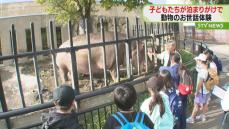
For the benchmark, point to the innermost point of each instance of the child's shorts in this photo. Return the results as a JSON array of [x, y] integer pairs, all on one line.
[[202, 98]]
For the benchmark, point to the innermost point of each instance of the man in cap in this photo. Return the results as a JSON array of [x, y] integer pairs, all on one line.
[[166, 56]]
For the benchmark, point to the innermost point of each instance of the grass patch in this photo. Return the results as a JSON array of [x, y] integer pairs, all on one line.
[[186, 55], [187, 59]]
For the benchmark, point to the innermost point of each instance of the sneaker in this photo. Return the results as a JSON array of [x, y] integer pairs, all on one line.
[[198, 117], [190, 120], [201, 117]]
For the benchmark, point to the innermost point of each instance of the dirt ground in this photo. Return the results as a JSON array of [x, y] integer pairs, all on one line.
[[29, 82]]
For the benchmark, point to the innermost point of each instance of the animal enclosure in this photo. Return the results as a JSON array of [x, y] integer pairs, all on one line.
[[133, 63]]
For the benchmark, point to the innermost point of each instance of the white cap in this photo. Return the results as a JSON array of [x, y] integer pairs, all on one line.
[[201, 57]]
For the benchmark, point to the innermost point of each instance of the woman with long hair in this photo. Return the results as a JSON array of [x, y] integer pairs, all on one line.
[[157, 105]]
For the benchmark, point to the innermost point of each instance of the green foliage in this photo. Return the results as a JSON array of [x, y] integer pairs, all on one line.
[[186, 56], [128, 4], [68, 9], [76, 10], [205, 2]]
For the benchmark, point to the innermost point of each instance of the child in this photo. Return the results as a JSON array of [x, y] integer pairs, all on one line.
[[63, 117], [125, 97], [202, 95], [173, 69], [186, 88], [157, 105], [209, 55], [214, 62], [175, 100]]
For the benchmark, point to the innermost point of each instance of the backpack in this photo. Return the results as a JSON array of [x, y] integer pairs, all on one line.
[[131, 125], [175, 103], [185, 86], [218, 63], [212, 79]]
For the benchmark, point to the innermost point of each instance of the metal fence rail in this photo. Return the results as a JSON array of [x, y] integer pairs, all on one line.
[[91, 118], [94, 118], [142, 34]]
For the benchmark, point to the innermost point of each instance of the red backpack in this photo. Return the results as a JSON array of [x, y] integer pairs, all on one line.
[[185, 86]]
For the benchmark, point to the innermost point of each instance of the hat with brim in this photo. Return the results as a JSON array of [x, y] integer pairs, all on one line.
[[201, 57]]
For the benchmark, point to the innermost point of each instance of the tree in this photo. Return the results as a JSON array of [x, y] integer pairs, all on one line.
[[205, 2], [78, 10], [128, 4], [74, 10]]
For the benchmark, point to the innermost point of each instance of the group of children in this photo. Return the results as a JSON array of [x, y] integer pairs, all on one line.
[[164, 109]]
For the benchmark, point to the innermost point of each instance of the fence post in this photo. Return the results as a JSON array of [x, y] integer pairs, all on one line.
[[151, 28], [169, 31], [74, 74], [201, 47], [53, 54], [100, 125], [85, 120], [184, 43], [104, 52], [159, 46], [163, 37], [176, 34], [193, 47], [167, 28], [137, 29], [133, 30], [128, 50], [142, 31], [89, 55], [3, 104], [158, 28], [159, 62], [146, 48], [35, 63], [14, 45], [153, 39], [116, 49]]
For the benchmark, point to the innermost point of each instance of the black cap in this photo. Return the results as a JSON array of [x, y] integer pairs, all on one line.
[[64, 95]]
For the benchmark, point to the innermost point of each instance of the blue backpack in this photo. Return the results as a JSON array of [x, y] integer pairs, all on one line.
[[130, 125], [175, 103], [218, 63]]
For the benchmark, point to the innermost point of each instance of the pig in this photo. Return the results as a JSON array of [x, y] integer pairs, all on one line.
[[63, 59]]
